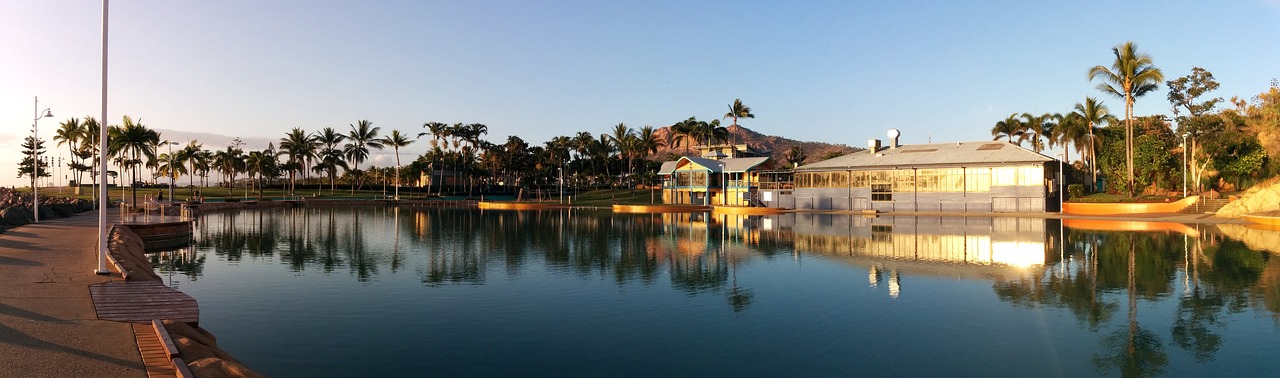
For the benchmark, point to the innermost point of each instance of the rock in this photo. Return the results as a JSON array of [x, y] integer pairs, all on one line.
[[46, 212], [63, 210], [1260, 198], [17, 216]]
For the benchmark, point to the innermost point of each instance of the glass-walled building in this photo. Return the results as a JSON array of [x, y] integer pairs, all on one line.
[[945, 177]]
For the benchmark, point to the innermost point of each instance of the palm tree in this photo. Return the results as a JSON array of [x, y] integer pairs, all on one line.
[[1034, 126], [229, 162], [395, 141], [70, 133], [738, 110], [133, 141], [300, 147], [363, 135], [683, 132], [192, 155], [89, 146], [796, 155], [1131, 75], [437, 131], [621, 138], [1008, 128], [1094, 113], [204, 163], [330, 157]]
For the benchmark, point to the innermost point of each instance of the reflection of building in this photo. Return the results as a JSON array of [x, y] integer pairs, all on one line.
[[702, 181], [951, 177]]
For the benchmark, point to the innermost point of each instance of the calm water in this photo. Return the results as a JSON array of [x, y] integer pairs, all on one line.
[[442, 292]]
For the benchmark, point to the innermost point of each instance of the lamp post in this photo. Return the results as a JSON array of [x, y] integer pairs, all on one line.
[[35, 156], [171, 178], [561, 171], [1062, 183], [1184, 165]]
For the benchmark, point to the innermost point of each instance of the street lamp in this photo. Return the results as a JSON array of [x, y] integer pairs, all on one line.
[[170, 144], [1184, 164], [35, 156]]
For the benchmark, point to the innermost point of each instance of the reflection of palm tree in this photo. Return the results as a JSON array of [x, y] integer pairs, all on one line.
[[1138, 352]]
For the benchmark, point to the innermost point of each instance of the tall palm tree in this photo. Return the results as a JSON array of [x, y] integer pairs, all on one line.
[[192, 156], [395, 141], [133, 142], [204, 163], [437, 131], [229, 162], [738, 110], [330, 157], [1009, 128], [361, 138], [621, 138], [684, 131], [1130, 76], [300, 147], [89, 146], [1034, 127], [1094, 113], [71, 133]]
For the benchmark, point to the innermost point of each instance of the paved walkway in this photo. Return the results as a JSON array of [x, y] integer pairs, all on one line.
[[48, 326]]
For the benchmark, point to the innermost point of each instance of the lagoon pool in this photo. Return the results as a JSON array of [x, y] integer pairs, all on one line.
[[385, 291]]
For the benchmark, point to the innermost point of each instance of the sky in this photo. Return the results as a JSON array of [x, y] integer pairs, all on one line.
[[837, 71]]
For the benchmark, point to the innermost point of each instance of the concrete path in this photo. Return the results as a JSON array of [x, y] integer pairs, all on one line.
[[48, 327]]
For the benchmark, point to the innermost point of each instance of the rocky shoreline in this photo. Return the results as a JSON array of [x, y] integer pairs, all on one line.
[[16, 208]]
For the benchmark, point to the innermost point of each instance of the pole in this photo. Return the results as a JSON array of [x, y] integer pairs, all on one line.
[[1062, 184], [102, 156], [35, 159], [171, 173], [561, 184], [1184, 165]]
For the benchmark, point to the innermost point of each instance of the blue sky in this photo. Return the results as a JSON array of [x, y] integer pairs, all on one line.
[[838, 71]]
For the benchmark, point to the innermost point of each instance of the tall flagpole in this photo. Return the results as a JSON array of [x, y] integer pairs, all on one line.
[[103, 200]]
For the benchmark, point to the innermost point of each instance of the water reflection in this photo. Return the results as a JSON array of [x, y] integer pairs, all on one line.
[[1179, 291]]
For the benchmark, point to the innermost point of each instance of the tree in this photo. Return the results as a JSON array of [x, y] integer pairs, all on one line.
[[229, 162], [191, 154], [1094, 113], [1184, 92], [132, 142], [1035, 127], [330, 156], [71, 133], [437, 131], [796, 155], [1130, 76], [300, 147], [621, 138], [361, 138], [395, 141], [1008, 128], [738, 110], [28, 164]]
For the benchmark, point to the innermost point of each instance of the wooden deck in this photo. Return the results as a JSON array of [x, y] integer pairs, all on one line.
[[142, 301]]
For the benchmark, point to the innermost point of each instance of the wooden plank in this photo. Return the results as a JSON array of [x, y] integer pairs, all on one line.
[[165, 341], [180, 367], [155, 360]]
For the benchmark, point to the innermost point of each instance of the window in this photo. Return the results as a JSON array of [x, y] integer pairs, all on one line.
[[839, 179], [977, 179], [882, 192], [858, 179]]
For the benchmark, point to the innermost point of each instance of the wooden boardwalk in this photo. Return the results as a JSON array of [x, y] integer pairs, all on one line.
[[142, 301]]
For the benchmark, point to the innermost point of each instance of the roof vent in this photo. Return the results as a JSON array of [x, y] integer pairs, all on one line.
[[893, 138], [873, 145]]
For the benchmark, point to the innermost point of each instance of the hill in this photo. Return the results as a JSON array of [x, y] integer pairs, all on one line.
[[776, 145]]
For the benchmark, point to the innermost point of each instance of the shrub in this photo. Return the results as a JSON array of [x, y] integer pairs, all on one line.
[[1075, 191]]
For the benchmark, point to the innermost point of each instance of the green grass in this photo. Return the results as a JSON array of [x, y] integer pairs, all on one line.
[[1120, 198], [610, 197]]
